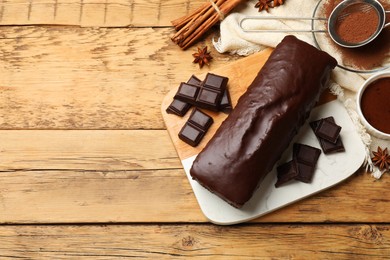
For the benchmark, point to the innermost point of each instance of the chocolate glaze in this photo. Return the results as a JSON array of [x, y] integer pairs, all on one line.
[[267, 116]]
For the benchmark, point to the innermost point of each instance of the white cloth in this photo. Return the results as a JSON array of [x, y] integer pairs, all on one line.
[[234, 40]]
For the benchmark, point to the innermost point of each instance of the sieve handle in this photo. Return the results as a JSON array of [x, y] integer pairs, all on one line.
[[387, 24], [279, 18]]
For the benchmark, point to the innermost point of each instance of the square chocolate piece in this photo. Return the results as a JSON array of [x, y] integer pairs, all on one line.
[[328, 130], [306, 158], [200, 119], [306, 154], [286, 172], [216, 82], [178, 107], [305, 172], [187, 93], [191, 134], [194, 81], [208, 99], [196, 127]]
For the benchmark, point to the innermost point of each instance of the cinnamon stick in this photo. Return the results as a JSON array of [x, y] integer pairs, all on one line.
[[192, 26]]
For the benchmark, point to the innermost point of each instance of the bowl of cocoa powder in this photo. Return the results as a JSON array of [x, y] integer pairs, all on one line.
[[373, 105]]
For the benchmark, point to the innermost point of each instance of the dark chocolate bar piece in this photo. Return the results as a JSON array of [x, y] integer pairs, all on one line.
[[328, 131], [195, 128], [178, 107], [191, 134], [226, 103], [207, 94], [326, 146], [200, 120], [208, 99], [252, 138], [216, 82], [306, 154], [286, 172], [305, 172], [306, 158], [187, 93], [193, 80], [211, 92]]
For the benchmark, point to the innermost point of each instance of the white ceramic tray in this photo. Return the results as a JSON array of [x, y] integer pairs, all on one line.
[[331, 170]]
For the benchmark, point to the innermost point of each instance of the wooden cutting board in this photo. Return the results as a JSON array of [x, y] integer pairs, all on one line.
[[240, 73]]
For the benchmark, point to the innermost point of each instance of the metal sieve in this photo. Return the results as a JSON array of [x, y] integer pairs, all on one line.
[[339, 13]]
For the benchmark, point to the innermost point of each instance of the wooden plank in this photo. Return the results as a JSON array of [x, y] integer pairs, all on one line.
[[113, 13], [72, 78], [200, 241], [135, 176], [91, 150]]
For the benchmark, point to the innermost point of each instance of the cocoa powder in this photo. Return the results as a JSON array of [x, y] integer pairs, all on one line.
[[367, 57], [355, 25]]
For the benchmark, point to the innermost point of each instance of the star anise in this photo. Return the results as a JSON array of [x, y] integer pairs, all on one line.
[[381, 159], [264, 5], [267, 4], [202, 57], [278, 2]]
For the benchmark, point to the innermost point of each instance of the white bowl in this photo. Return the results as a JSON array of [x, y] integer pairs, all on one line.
[[372, 130]]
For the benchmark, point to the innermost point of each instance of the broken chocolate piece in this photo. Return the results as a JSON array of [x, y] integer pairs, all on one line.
[[305, 172], [216, 82], [200, 119], [178, 107], [226, 103], [306, 158], [195, 128], [208, 99], [306, 154], [328, 130], [326, 146], [187, 93], [193, 80], [286, 172]]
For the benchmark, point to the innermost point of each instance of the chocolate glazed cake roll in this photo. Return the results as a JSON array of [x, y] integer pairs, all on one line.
[[267, 116]]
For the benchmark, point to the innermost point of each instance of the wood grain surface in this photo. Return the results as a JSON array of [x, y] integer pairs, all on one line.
[[87, 167], [321, 241]]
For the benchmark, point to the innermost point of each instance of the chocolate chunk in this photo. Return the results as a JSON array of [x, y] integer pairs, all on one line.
[[306, 154], [187, 93], [200, 120], [216, 82], [286, 173], [328, 130], [194, 81], [305, 172], [226, 103], [178, 107], [207, 94], [329, 147], [195, 128], [306, 158], [191, 134], [326, 146], [208, 99]]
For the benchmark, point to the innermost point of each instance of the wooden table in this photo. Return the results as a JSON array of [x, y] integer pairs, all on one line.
[[88, 168]]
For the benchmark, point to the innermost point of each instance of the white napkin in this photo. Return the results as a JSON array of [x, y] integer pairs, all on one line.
[[233, 40]]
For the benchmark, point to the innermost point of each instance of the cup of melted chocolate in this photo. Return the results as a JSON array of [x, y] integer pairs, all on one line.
[[373, 105]]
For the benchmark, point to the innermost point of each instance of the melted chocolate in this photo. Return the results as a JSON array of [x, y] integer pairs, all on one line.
[[267, 116]]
